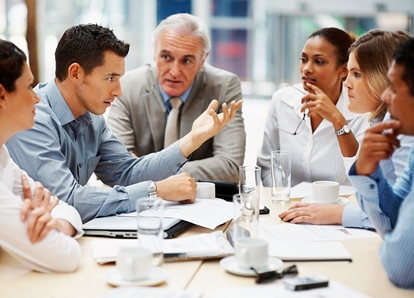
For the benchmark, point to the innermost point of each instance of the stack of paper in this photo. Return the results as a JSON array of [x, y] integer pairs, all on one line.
[[205, 213], [301, 242], [202, 246]]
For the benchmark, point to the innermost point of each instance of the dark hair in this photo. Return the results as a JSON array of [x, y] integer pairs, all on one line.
[[86, 44], [340, 39], [12, 60], [404, 55]]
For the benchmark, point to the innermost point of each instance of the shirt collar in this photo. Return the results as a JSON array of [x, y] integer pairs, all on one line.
[[183, 96], [60, 107]]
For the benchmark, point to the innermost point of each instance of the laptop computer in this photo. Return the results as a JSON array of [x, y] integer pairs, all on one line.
[[126, 227]]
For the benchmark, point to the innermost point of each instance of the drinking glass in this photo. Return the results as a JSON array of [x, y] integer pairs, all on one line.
[[281, 176], [250, 180], [150, 228], [246, 215]]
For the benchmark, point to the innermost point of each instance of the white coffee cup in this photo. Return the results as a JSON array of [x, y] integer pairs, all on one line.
[[251, 252], [325, 192], [206, 190], [134, 263]]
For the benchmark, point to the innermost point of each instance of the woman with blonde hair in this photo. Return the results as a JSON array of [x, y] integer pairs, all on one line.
[[369, 60]]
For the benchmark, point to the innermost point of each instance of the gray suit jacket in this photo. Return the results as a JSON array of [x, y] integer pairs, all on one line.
[[138, 119]]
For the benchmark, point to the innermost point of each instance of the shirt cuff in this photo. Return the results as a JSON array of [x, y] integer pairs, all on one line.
[[71, 215], [354, 217], [135, 192], [174, 154], [366, 186]]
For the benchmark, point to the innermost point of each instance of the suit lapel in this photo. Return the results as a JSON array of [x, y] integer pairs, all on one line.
[[155, 108], [195, 104]]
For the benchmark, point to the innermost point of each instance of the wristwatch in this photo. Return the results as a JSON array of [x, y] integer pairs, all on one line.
[[343, 130], [152, 189]]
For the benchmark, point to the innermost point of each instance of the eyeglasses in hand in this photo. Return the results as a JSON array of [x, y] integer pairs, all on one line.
[[301, 124], [268, 276]]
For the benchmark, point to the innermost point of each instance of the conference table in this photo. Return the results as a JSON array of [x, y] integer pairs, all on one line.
[[364, 274]]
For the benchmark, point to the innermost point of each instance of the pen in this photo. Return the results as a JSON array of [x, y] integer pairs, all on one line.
[[345, 231], [174, 255]]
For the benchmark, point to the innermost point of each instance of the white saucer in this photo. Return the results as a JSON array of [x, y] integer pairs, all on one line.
[[340, 201], [157, 276], [230, 265]]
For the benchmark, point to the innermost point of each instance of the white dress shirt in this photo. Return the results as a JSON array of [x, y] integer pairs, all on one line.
[[57, 252], [315, 156]]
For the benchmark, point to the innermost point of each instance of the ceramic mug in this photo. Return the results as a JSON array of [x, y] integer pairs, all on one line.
[[206, 190], [251, 252], [134, 263], [325, 192]]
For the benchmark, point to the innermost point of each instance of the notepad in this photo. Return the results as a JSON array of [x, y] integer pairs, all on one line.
[[309, 251], [202, 246], [304, 242]]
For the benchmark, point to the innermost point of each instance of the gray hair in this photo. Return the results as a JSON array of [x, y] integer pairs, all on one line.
[[184, 23]]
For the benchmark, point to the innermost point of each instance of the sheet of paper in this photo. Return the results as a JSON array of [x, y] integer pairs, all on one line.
[[205, 213], [206, 244], [148, 292], [334, 290], [303, 232], [304, 189]]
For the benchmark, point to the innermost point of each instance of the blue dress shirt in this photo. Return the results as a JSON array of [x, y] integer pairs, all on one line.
[[166, 98], [392, 168], [62, 153], [391, 209]]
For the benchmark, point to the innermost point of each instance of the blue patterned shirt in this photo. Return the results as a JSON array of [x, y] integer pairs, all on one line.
[[391, 210]]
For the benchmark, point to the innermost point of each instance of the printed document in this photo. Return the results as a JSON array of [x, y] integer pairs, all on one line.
[[304, 232], [201, 246], [208, 213], [334, 290]]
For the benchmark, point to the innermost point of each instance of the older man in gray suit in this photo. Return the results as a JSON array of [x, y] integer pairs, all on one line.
[[139, 118]]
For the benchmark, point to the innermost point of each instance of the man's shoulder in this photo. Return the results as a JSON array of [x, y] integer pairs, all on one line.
[[139, 72], [138, 80], [212, 71]]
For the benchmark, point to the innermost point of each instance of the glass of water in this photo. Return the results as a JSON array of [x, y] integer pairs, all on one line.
[[246, 215], [281, 176], [150, 228]]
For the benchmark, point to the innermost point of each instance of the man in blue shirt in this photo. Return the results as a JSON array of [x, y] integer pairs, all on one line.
[[391, 208], [70, 139]]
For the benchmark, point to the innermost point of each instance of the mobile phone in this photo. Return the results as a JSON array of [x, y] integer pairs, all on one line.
[[305, 283]]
